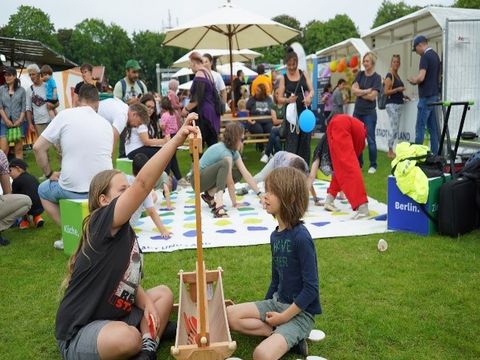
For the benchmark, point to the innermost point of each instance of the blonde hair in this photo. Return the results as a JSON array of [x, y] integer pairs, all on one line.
[[289, 185], [242, 104], [371, 55], [100, 185]]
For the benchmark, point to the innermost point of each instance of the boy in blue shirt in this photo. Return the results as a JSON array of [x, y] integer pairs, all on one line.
[[286, 316], [46, 73]]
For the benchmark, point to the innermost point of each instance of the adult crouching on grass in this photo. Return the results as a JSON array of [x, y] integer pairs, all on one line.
[[105, 312], [217, 172]]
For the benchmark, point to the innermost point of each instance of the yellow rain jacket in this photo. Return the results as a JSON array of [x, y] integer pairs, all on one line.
[[411, 180]]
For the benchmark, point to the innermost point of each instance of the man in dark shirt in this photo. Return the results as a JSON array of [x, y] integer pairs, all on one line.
[[427, 80], [237, 87]]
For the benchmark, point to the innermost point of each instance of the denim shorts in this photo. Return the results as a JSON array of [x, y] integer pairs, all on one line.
[[83, 346], [3, 129], [294, 331], [53, 192]]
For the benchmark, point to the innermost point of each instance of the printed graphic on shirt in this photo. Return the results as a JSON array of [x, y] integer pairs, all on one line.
[[124, 295], [281, 247]]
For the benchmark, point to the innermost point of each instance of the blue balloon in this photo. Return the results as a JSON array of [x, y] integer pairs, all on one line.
[[307, 120]]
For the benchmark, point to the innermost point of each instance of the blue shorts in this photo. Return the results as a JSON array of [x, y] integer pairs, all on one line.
[[53, 192], [4, 129]]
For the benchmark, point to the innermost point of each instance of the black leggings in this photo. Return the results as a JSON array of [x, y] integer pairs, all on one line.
[[209, 135]]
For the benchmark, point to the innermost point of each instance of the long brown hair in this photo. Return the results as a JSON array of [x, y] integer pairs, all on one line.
[[100, 185], [232, 135], [289, 185]]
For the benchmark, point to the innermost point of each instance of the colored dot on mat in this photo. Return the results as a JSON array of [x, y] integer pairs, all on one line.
[[190, 233], [226, 231], [170, 213], [140, 223], [321, 223], [344, 201], [190, 192], [189, 206], [189, 212], [137, 230], [189, 218], [189, 225], [382, 217], [167, 221], [249, 214], [252, 221], [256, 228], [223, 222], [190, 201], [245, 203], [246, 209], [339, 213], [158, 237]]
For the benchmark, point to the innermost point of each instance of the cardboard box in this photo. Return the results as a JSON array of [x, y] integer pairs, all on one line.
[[405, 214], [72, 213]]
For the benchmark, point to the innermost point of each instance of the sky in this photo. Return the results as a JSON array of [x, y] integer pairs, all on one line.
[[138, 15]]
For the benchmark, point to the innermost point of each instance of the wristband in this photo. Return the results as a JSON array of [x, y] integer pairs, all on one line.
[[259, 193], [49, 175]]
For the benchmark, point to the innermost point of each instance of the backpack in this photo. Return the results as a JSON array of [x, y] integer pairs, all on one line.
[[124, 87], [382, 98]]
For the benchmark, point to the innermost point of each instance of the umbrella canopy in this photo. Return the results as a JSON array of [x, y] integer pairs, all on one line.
[[183, 71], [186, 86], [229, 27], [225, 69], [222, 55]]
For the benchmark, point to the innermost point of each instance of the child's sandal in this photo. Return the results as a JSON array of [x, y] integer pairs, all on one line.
[[210, 200], [219, 212]]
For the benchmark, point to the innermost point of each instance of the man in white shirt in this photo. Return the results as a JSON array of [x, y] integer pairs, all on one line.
[[86, 140], [208, 62], [115, 111]]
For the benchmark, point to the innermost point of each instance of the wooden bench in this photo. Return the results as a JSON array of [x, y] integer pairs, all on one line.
[[260, 138]]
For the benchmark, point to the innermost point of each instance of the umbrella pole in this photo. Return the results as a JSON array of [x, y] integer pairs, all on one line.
[[231, 69]]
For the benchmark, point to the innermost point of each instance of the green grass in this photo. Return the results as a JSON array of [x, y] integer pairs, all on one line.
[[417, 300]]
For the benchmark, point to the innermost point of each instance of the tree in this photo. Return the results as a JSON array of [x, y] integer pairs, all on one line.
[[468, 4], [390, 11], [319, 35], [274, 54], [95, 42], [64, 36], [149, 51], [32, 23]]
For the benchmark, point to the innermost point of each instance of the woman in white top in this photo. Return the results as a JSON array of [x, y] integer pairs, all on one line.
[[137, 139]]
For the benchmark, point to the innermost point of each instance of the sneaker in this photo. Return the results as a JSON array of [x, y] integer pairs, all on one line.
[[264, 158], [188, 177], [372, 170], [58, 244], [24, 224], [3, 241], [329, 205], [301, 348], [149, 350], [38, 221], [362, 213]]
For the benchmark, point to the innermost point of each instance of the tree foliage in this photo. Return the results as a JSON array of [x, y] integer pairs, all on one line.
[[288, 21], [95, 42], [390, 11], [468, 4], [31, 23], [319, 35], [149, 51]]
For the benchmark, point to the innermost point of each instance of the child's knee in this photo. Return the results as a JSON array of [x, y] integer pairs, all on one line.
[[262, 352]]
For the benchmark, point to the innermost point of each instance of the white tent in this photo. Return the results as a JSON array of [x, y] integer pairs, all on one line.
[[183, 72], [186, 86], [461, 81], [222, 56], [225, 69], [352, 46]]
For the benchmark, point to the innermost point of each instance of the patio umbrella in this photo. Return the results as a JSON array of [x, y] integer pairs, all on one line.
[[183, 71], [229, 27], [222, 56]]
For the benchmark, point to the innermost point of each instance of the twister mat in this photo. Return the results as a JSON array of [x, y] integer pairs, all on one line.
[[249, 224]]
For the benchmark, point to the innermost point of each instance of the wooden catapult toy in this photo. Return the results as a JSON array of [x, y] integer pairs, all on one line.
[[202, 325]]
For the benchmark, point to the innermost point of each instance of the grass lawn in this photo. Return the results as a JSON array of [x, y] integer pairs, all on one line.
[[418, 300]]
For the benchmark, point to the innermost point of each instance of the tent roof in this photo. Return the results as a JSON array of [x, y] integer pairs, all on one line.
[[346, 47], [430, 16], [20, 50]]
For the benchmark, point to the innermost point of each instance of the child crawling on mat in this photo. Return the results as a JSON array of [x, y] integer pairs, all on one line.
[[105, 312], [286, 316]]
